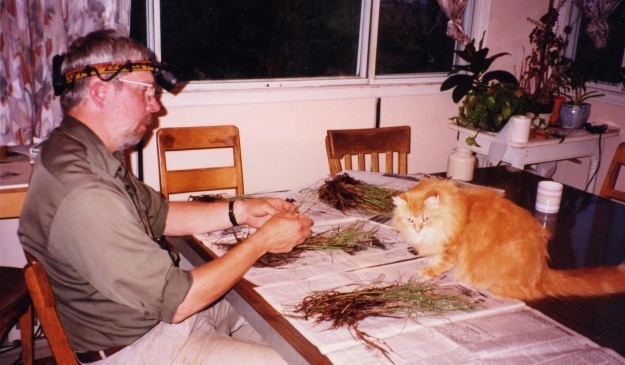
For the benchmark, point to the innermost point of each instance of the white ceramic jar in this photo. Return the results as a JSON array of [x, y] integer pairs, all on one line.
[[461, 164]]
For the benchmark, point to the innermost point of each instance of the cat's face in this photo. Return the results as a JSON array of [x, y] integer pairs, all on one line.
[[419, 223], [416, 216]]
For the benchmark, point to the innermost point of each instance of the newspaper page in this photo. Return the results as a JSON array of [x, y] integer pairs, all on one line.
[[521, 336], [388, 248], [285, 297]]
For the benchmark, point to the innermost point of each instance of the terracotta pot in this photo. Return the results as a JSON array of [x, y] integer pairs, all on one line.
[[557, 101], [574, 116]]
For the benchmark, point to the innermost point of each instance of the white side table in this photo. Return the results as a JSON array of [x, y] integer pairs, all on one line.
[[577, 143]]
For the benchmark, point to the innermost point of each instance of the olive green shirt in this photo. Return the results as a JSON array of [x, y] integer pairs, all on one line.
[[112, 282]]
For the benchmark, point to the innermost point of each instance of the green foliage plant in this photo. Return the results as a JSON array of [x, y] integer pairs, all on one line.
[[475, 76], [492, 109], [490, 97], [574, 84]]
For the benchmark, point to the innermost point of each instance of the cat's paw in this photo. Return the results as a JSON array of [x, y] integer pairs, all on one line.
[[430, 272]]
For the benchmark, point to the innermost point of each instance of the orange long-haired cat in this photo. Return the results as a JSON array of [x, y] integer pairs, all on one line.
[[492, 243]]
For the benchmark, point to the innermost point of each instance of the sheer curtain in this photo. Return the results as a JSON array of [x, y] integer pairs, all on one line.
[[454, 10], [597, 11], [32, 32]]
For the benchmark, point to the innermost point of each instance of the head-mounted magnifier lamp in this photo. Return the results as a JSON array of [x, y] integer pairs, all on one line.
[[165, 75]]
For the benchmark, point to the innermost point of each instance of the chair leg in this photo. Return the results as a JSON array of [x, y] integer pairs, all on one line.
[[26, 331]]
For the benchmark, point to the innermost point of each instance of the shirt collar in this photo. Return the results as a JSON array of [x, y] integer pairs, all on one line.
[[96, 150]]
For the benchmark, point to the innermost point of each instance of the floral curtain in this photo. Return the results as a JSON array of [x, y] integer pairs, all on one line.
[[32, 32], [454, 10], [597, 11]]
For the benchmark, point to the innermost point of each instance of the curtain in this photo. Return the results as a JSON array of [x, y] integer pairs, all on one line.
[[597, 11], [454, 9], [31, 33]]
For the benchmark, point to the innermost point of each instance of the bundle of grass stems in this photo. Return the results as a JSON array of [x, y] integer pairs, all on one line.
[[344, 193], [397, 300], [350, 239]]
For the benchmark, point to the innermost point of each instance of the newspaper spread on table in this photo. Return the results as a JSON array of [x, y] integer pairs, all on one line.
[[497, 331]]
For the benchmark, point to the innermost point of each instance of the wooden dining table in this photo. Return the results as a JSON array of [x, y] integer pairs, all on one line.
[[587, 231], [14, 175]]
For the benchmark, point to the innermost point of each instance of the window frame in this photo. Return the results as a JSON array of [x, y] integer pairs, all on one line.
[[364, 84]]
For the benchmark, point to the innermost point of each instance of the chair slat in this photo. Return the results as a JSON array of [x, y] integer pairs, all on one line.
[[375, 162]]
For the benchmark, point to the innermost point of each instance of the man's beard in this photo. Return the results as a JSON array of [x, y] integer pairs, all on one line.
[[125, 137]]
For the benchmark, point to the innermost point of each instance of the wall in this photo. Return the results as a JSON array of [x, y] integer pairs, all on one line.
[[283, 143], [282, 131]]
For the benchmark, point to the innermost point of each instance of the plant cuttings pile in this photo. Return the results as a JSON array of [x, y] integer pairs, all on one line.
[[350, 239], [344, 193], [395, 300]]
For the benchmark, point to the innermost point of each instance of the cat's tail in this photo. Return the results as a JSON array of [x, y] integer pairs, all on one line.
[[585, 282]]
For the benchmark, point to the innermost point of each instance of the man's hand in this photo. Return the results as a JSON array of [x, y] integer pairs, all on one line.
[[255, 212], [283, 231]]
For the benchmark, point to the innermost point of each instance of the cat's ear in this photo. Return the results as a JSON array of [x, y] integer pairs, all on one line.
[[399, 202], [431, 201]]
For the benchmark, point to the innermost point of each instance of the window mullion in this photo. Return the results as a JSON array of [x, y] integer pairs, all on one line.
[[374, 11], [154, 26]]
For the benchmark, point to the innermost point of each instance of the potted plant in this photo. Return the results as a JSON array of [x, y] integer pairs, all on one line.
[[575, 111], [490, 97], [540, 71]]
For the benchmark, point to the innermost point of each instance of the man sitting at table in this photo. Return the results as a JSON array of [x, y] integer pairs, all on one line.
[[120, 296]]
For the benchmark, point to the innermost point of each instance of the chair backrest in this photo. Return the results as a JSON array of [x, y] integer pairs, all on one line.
[[200, 179], [44, 303], [608, 189], [345, 143]]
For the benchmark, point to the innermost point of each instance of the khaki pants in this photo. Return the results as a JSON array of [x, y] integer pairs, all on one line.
[[218, 335]]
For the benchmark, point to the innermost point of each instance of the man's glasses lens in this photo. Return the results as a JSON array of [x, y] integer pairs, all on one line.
[[151, 91]]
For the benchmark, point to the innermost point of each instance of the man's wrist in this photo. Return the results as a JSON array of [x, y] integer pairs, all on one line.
[[231, 216]]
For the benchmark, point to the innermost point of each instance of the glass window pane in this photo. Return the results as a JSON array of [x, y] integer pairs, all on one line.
[[225, 39], [604, 64], [138, 15], [412, 38]]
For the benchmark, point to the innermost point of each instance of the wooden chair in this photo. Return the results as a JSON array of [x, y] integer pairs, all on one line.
[[345, 143], [15, 306], [199, 179], [608, 189], [44, 303]]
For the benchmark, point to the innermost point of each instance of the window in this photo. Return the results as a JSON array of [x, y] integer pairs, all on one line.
[[605, 65], [293, 40], [238, 40], [412, 38]]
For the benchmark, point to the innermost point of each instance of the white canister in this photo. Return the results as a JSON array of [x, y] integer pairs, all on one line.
[[520, 128], [460, 164]]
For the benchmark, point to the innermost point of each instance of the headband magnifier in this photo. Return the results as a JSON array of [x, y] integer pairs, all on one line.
[[165, 75]]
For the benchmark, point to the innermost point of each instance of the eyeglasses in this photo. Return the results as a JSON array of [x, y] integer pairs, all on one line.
[[150, 87]]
